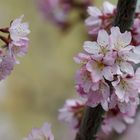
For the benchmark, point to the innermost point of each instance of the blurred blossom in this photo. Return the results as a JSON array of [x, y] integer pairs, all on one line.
[[43, 133], [53, 11], [72, 112], [19, 31], [58, 11]]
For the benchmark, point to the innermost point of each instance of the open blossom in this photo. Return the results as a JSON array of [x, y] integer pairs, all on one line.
[[107, 76], [72, 112], [19, 31], [117, 121], [43, 133], [100, 19], [15, 45], [19, 41], [127, 87]]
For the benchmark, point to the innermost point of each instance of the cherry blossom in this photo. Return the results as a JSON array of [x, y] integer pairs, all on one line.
[[16, 44], [100, 19], [43, 133], [117, 121], [72, 112], [18, 32]]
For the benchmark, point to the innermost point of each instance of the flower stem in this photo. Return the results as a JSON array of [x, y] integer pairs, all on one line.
[[93, 117], [90, 123]]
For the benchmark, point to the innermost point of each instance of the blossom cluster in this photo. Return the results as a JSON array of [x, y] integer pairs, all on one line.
[[43, 133], [104, 18], [108, 76], [16, 44], [72, 113], [58, 11]]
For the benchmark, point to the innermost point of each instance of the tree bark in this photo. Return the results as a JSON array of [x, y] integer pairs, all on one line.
[[125, 14]]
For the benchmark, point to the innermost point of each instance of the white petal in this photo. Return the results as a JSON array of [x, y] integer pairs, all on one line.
[[137, 74], [105, 90], [128, 120], [93, 21], [125, 39], [133, 57], [103, 38], [107, 73], [120, 92], [118, 126], [104, 105], [115, 33], [94, 11], [91, 47], [127, 68], [96, 73], [137, 50], [108, 7]]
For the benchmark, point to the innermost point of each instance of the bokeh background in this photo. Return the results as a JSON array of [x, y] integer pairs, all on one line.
[[38, 87]]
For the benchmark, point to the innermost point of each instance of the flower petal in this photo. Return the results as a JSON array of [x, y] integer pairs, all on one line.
[[108, 7], [91, 47], [127, 68], [94, 11], [103, 38]]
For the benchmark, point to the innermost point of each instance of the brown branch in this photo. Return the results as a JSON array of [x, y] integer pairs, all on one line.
[[125, 14], [4, 30], [90, 123]]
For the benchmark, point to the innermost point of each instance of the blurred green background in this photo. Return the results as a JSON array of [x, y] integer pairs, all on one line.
[[38, 87]]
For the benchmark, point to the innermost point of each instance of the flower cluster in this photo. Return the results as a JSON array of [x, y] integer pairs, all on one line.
[[72, 112], [58, 11], [16, 44], [104, 18], [107, 74], [43, 133]]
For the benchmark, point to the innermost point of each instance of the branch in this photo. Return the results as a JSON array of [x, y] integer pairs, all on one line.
[[90, 123], [125, 14]]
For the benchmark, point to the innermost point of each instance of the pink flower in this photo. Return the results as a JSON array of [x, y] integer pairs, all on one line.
[[126, 53], [72, 112], [19, 48], [6, 66], [18, 32], [117, 121], [43, 133], [99, 95], [99, 70], [83, 78], [53, 10], [127, 87], [100, 19]]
